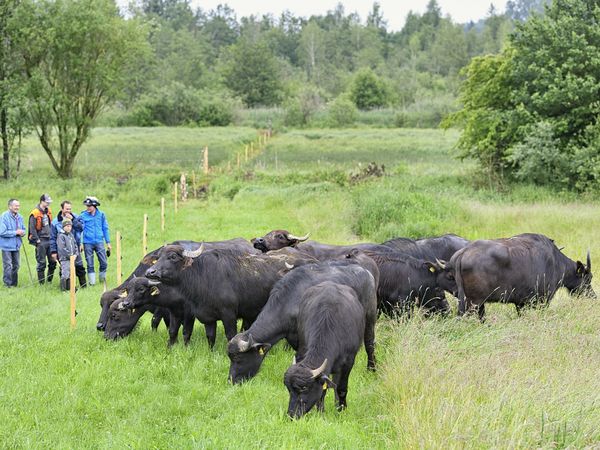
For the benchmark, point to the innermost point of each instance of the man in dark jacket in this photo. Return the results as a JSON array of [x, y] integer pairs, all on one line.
[[40, 220], [66, 212]]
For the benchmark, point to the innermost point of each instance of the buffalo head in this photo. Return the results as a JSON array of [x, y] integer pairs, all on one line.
[[246, 357], [173, 259], [307, 388], [277, 239]]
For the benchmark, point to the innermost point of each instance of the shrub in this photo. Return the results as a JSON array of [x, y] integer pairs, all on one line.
[[300, 110], [368, 91], [342, 112]]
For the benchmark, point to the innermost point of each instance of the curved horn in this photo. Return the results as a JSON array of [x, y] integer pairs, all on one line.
[[244, 346], [294, 361], [153, 282], [194, 253], [120, 306], [589, 260], [441, 263], [560, 249], [299, 239], [316, 372], [289, 266]]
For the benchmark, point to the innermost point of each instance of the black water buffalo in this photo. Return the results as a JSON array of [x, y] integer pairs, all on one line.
[[278, 318], [142, 292], [440, 247], [219, 284], [524, 269], [122, 321], [405, 282], [276, 239], [147, 261], [331, 326]]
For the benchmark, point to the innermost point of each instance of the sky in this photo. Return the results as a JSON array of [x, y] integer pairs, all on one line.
[[394, 11]]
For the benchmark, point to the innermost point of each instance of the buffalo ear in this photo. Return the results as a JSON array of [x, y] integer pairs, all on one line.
[[430, 266], [154, 291], [262, 348], [327, 383], [187, 262], [581, 269]]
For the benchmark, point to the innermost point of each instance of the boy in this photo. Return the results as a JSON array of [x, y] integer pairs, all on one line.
[[66, 246]]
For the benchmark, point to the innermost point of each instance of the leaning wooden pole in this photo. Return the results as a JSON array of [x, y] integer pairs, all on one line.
[[175, 195], [205, 160], [162, 214], [119, 260], [72, 290]]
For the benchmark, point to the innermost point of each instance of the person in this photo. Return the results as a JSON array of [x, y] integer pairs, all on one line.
[[12, 228], [66, 246], [40, 219], [95, 234], [66, 212]]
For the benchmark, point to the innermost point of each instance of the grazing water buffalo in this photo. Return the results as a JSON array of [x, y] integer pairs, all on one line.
[[331, 326], [524, 269], [219, 284], [278, 318], [147, 261], [122, 321], [405, 281], [440, 247]]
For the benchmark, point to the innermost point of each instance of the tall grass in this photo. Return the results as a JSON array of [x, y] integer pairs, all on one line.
[[528, 381]]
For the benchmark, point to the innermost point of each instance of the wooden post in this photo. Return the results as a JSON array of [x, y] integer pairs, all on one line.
[[194, 184], [162, 214], [206, 160], [175, 195], [119, 260], [72, 290], [183, 187], [251, 147], [145, 236]]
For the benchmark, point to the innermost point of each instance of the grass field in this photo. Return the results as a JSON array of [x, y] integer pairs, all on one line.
[[516, 382]]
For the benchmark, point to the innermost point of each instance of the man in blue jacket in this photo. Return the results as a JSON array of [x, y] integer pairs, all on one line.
[[66, 212], [95, 233], [12, 229]]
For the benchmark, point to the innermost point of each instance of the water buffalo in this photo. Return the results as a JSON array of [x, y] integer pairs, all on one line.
[[331, 326], [121, 321], [524, 269], [219, 284], [278, 318]]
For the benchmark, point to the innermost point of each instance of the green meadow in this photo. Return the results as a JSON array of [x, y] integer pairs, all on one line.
[[514, 382]]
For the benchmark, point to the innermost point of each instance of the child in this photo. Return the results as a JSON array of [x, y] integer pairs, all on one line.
[[67, 246]]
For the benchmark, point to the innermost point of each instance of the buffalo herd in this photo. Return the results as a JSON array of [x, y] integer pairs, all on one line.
[[324, 299]]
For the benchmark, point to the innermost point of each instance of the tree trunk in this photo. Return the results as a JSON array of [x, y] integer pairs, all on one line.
[[5, 147]]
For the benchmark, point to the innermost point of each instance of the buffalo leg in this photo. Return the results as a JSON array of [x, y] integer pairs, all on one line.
[[230, 325], [174, 325], [246, 323], [341, 389], [519, 307], [481, 312], [369, 339], [211, 333], [321, 402], [188, 327]]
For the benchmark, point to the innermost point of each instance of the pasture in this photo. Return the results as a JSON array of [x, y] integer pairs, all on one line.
[[529, 381]]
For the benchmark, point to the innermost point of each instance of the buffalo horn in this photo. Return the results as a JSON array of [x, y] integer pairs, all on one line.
[[589, 260], [289, 266], [244, 346], [153, 282], [441, 263], [294, 361], [316, 372], [299, 239], [120, 306], [195, 253]]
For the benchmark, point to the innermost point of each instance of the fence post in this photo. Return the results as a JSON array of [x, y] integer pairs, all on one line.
[[119, 259], [72, 290], [145, 236], [175, 195], [206, 160], [162, 214]]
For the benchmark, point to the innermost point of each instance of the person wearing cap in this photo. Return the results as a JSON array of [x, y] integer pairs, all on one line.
[[95, 234], [66, 212], [12, 228], [40, 219], [66, 246]]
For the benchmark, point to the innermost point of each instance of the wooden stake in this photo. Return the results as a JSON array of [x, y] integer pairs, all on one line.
[[205, 160], [175, 195], [119, 260], [162, 214], [145, 236], [252, 148], [194, 184], [72, 290]]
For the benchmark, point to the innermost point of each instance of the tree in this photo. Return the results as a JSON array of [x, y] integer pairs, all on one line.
[[252, 72], [368, 91], [74, 54]]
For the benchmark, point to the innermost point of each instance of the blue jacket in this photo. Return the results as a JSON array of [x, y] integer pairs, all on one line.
[[56, 228], [9, 224], [95, 227]]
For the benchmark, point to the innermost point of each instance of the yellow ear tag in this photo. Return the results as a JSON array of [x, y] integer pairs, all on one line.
[[324, 386], [154, 291], [432, 269], [123, 294], [261, 352], [154, 261]]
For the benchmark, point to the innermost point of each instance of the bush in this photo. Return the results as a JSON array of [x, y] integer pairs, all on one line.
[[300, 110], [368, 91], [342, 112], [217, 109], [538, 159]]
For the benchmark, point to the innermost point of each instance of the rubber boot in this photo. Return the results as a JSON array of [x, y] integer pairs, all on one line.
[[102, 276], [41, 277], [50, 277], [82, 282], [92, 277]]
